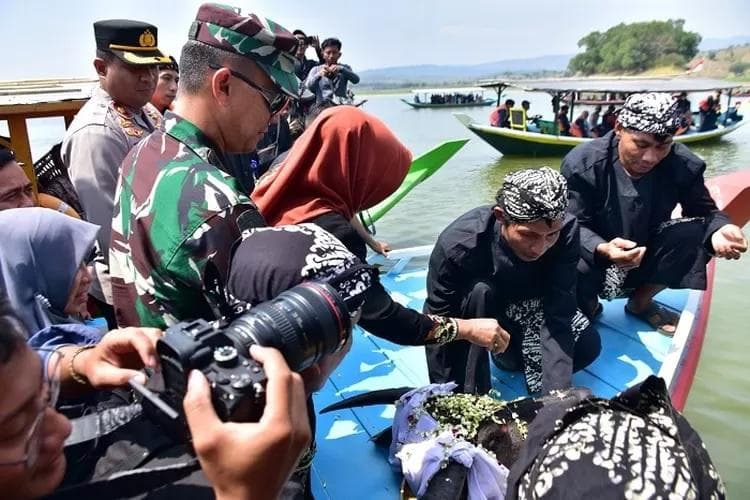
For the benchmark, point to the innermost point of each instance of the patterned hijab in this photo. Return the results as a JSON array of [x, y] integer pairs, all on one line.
[[533, 194], [40, 253], [345, 162], [654, 113], [271, 260], [634, 445]]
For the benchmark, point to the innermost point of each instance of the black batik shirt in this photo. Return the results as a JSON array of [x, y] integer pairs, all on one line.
[[608, 203], [471, 249]]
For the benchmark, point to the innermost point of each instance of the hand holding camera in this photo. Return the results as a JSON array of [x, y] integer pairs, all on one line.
[[262, 454]]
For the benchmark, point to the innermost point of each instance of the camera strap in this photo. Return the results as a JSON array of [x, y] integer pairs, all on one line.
[[214, 291]]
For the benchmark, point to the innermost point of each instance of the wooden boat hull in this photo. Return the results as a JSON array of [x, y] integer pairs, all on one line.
[[421, 105], [519, 143]]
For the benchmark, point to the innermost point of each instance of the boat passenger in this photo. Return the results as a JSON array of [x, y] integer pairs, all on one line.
[[708, 114], [345, 162], [115, 119], [623, 189], [44, 258], [181, 202], [500, 116], [580, 127], [563, 123], [16, 190], [166, 86], [594, 121], [329, 81], [608, 120], [515, 261], [531, 121]]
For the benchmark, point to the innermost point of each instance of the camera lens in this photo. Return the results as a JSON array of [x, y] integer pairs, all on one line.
[[305, 323]]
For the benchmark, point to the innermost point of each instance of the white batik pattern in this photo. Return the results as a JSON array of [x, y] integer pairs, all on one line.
[[529, 316]]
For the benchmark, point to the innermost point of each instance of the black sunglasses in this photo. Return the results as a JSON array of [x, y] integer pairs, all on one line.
[[274, 100]]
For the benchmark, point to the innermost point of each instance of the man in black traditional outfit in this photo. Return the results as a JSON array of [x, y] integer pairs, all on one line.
[[514, 261], [623, 189]]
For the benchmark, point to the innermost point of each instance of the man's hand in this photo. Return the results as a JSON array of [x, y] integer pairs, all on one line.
[[251, 460], [729, 242], [484, 332], [381, 247], [623, 253], [315, 42], [118, 357]]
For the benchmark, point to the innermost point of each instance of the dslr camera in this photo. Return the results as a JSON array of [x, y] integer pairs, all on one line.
[[304, 323]]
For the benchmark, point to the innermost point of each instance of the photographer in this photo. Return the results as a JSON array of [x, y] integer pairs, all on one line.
[[32, 432], [274, 259], [303, 65]]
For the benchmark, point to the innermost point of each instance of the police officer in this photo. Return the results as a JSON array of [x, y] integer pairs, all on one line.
[[115, 119]]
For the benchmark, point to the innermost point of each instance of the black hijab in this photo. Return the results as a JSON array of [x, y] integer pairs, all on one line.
[[270, 260]]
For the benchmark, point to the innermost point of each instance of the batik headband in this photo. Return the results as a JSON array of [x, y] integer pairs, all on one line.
[[652, 113], [534, 194]]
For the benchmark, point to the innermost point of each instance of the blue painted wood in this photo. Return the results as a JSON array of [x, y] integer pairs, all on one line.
[[349, 465]]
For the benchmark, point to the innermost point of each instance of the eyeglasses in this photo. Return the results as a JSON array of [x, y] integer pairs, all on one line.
[[274, 100], [48, 399]]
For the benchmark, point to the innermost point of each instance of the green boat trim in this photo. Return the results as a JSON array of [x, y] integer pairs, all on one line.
[[421, 169], [419, 105], [518, 142]]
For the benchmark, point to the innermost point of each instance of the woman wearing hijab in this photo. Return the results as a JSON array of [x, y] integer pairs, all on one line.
[[43, 257], [345, 162], [271, 260]]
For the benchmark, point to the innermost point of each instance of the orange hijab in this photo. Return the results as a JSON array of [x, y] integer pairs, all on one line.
[[346, 161]]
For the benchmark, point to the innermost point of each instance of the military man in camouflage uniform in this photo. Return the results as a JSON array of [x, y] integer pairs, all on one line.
[[179, 201], [114, 120]]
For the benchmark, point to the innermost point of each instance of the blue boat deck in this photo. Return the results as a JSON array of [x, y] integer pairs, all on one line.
[[348, 465]]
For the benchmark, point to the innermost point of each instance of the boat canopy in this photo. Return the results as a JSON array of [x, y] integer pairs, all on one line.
[[24, 99], [457, 90], [624, 85]]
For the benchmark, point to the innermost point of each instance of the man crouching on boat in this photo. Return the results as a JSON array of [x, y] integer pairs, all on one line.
[[623, 189], [514, 261]]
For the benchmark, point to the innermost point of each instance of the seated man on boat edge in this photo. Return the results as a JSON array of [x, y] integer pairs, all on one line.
[[623, 189], [514, 261]]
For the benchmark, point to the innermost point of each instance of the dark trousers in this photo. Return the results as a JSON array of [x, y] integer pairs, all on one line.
[[675, 257], [468, 364]]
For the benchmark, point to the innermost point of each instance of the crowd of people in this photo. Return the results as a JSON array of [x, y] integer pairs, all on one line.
[[159, 161], [591, 124]]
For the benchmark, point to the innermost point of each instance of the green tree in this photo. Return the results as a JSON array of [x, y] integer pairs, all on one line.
[[635, 47]]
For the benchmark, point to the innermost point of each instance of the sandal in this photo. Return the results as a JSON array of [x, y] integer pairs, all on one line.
[[657, 316]]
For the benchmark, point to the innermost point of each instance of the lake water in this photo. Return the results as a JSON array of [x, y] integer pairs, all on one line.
[[719, 404]]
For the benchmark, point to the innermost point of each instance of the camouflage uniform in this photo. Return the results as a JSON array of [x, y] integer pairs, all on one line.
[[177, 205], [104, 131]]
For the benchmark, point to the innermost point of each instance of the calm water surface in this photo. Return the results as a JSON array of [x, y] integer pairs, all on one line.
[[719, 404]]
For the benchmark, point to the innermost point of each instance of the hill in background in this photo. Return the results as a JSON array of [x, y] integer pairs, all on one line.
[[717, 56]]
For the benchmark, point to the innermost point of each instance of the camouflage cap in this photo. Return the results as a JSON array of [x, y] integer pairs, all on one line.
[[133, 42], [269, 45]]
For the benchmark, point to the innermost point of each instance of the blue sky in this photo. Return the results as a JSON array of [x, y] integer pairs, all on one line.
[[45, 38]]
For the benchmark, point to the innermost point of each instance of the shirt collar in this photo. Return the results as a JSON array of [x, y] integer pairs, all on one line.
[[190, 135]]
